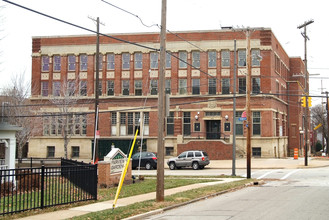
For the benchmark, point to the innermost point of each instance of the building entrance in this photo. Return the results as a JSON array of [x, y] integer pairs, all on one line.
[[213, 129]]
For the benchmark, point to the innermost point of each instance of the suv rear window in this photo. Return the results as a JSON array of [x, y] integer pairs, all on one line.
[[198, 154], [205, 154]]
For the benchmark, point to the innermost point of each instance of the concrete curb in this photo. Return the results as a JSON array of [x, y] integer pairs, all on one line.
[[159, 211]]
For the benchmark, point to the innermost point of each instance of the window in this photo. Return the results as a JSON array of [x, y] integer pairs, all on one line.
[[75, 151], [168, 60], [110, 87], [113, 123], [212, 114], [242, 58], [50, 151], [242, 86], [182, 59], [100, 89], [154, 60], [83, 62], [196, 59], [225, 54], [225, 86], [44, 63], [146, 125], [125, 61], [197, 127], [169, 151], [212, 55], [125, 87], [195, 86], [75, 125], [100, 61], [277, 85], [71, 88], [129, 122], [256, 85], [187, 123], [110, 61], [256, 151], [212, 83], [170, 124], [168, 86], [83, 88], [238, 123], [46, 125], [44, 88], [138, 60], [256, 123], [56, 88], [57, 63], [255, 57], [154, 86], [71, 62], [190, 154], [227, 126], [138, 87], [183, 86]]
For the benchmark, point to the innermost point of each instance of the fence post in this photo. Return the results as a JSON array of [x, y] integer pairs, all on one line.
[[42, 185]]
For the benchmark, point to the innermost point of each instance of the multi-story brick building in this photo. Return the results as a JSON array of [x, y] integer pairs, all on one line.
[[198, 77]]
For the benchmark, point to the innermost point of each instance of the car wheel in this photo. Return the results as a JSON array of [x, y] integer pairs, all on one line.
[[172, 165], [148, 166], [195, 165]]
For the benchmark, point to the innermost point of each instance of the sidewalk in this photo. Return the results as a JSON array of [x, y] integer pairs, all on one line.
[[256, 163]]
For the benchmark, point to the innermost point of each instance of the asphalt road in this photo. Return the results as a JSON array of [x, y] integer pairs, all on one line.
[[287, 194]]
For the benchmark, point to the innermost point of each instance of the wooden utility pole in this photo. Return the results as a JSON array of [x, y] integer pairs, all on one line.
[[161, 106], [248, 110], [327, 108], [306, 88]]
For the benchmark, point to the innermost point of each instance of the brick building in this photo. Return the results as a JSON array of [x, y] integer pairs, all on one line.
[[199, 83]]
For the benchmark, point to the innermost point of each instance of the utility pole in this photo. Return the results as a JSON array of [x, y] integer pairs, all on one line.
[[234, 112], [161, 106], [326, 92], [248, 110], [306, 87]]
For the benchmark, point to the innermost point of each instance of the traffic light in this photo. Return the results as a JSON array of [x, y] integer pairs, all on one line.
[[309, 101], [303, 101]]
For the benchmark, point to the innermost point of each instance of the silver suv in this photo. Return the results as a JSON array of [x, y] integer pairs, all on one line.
[[193, 158]]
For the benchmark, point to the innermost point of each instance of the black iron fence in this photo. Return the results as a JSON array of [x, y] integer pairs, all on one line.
[[33, 188]]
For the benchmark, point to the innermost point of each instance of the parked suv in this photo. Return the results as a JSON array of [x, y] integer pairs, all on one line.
[[194, 158], [147, 160]]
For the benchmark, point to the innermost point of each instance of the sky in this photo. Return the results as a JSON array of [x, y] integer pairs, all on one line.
[[18, 26]]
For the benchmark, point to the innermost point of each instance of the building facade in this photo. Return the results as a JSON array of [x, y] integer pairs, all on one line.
[[199, 80]]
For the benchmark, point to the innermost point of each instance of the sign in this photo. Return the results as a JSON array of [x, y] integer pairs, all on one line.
[[242, 119], [98, 134], [244, 114], [319, 125], [117, 160]]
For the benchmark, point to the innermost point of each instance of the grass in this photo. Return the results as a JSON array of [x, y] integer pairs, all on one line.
[[142, 187], [143, 207]]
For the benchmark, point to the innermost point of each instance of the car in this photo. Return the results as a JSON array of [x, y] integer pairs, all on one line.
[[144, 159], [196, 159]]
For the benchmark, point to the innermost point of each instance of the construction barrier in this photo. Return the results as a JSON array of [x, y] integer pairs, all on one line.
[[295, 153]]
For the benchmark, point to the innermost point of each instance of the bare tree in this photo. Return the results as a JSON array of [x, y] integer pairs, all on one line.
[[19, 111], [319, 116], [68, 121]]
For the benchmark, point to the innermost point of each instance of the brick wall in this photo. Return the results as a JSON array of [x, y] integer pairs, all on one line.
[[217, 150]]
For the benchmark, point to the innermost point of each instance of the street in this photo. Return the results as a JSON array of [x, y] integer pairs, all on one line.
[[287, 194]]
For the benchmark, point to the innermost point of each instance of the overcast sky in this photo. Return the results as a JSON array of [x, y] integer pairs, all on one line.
[[282, 16]]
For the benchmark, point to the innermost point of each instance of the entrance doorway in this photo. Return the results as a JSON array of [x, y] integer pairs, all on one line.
[[213, 129]]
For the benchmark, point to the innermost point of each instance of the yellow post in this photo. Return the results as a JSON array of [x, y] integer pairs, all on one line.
[[123, 174]]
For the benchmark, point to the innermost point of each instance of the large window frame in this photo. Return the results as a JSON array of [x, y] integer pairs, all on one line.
[[110, 88], [125, 61], [153, 86], [187, 123], [45, 63], [138, 60], [242, 58], [225, 58], [138, 87], [255, 57], [255, 85], [57, 63], [170, 124], [56, 88], [256, 123], [71, 59], [83, 88], [154, 60], [212, 58], [110, 65], [226, 85], [196, 86], [44, 88], [182, 87], [182, 59], [242, 85], [212, 86], [168, 60], [238, 123], [196, 59], [83, 62], [125, 87]]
